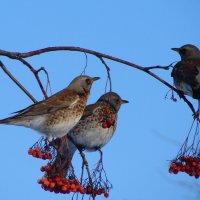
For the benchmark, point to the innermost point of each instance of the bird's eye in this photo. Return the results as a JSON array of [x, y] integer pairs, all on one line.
[[117, 101], [183, 51], [88, 81]]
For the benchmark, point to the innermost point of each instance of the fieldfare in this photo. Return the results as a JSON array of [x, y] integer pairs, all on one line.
[[186, 73], [97, 125], [55, 116]]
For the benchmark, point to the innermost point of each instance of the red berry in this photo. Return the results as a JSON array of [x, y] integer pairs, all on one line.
[[80, 188], [64, 188], [42, 169], [173, 164], [106, 195], [187, 167], [40, 181], [99, 192], [60, 183], [108, 125], [72, 186], [194, 163], [52, 185], [171, 170], [57, 179], [104, 125], [46, 183], [190, 158], [178, 168], [34, 153], [109, 122], [183, 169], [30, 151]]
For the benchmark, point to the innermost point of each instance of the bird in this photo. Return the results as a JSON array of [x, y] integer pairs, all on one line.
[[186, 73], [55, 116], [96, 126]]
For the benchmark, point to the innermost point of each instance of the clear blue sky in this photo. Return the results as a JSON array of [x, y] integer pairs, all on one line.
[[150, 129]]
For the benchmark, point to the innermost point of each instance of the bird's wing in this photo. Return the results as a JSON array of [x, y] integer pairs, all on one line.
[[89, 110], [62, 99], [187, 71]]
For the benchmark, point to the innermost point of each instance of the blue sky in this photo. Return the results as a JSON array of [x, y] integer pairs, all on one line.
[[150, 129]]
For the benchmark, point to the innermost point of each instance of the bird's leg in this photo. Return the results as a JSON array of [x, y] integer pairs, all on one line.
[[101, 156], [83, 165], [198, 112], [180, 94], [99, 165]]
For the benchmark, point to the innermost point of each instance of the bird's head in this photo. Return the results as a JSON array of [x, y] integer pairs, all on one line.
[[113, 99], [82, 84], [188, 51]]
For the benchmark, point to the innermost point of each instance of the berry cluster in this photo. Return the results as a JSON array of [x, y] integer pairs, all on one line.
[[98, 191], [38, 153], [108, 123], [65, 186], [61, 185], [187, 164]]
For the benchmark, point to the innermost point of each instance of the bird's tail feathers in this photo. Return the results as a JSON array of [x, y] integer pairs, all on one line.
[[11, 121]]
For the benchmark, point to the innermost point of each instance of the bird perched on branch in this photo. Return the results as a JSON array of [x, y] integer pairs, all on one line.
[[186, 73], [55, 116], [97, 125]]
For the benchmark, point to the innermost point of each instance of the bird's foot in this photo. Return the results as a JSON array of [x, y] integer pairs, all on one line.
[[180, 94], [196, 116]]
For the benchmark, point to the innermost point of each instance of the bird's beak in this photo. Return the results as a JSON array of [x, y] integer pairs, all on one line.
[[95, 79], [175, 49], [124, 101]]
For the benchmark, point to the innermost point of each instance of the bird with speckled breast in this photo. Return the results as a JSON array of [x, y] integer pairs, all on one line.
[[57, 115], [97, 125]]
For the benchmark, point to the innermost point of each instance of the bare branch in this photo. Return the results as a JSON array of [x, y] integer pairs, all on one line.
[[18, 56], [108, 72], [17, 82]]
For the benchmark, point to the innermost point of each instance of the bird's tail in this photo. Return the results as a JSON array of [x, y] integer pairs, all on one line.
[[11, 121]]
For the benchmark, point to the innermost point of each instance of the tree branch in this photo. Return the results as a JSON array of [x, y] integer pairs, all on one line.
[[17, 82], [19, 56]]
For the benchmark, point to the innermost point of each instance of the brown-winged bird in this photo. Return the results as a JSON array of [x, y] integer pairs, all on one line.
[[96, 127], [58, 114]]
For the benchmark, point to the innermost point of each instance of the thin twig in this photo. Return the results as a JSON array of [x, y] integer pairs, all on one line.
[[108, 72], [86, 63], [35, 72], [48, 79], [17, 82]]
